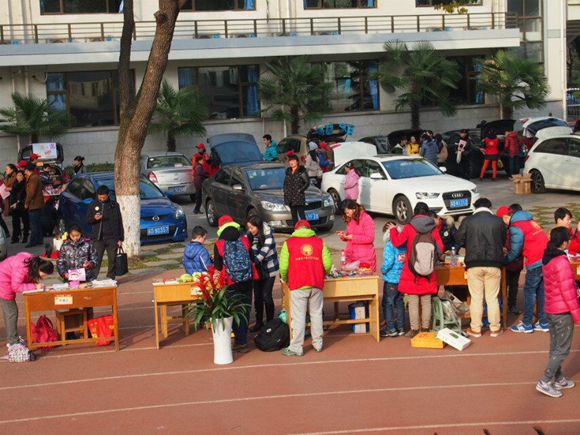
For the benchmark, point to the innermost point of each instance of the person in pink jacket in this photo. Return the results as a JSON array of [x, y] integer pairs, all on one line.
[[359, 235], [562, 310], [351, 182], [18, 274]]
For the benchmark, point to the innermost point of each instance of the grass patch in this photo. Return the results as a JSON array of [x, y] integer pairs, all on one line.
[[172, 266]]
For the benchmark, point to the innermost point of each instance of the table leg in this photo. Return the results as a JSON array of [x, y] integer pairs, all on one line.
[[115, 319], [336, 313], [164, 320], [374, 325], [185, 320], [156, 324], [28, 331]]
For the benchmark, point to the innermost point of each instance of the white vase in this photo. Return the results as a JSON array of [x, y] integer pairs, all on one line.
[[222, 341]]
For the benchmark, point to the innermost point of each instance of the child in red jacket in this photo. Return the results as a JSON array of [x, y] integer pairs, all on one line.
[[562, 310]]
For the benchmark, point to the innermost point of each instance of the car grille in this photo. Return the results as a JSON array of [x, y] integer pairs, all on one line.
[[313, 205], [172, 229], [150, 218], [447, 197]]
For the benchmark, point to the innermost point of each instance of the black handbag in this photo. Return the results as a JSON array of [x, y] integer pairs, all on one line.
[[121, 263]]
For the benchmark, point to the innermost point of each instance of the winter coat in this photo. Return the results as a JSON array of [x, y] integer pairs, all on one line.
[[18, 194], [230, 233], [199, 175], [271, 152], [518, 265], [295, 184], [413, 149], [429, 151], [448, 232], [527, 238], [393, 260], [351, 185], [468, 147], [483, 235], [34, 197], [266, 256], [14, 276], [409, 283], [442, 154], [9, 182], [110, 227], [361, 247], [313, 168], [196, 258], [512, 144], [81, 169], [204, 162], [322, 161], [73, 255], [559, 285]]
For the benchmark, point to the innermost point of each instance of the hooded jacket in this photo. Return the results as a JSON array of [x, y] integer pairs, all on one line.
[[361, 246], [429, 150], [14, 276], [559, 285], [393, 260], [409, 283], [528, 238], [351, 185], [483, 235], [196, 258], [73, 255]]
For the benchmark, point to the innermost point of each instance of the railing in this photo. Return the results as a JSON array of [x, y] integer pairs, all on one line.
[[256, 28]]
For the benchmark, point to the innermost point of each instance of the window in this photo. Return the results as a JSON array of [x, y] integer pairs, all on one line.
[[172, 161], [574, 147], [467, 92], [266, 179], [372, 167], [529, 21], [91, 97], [75, 187], [222, 177], [430, 3], [400, 169], [554, 146], [354, 89], [339, 4], [81, 6], [219, 5], [286, 145], [237, 178]]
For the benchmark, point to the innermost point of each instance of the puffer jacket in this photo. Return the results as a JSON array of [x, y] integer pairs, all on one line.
[[429, 150], [393, 260], [361, 247], [528, 239], [73, 255], [483, 235], [196, 258], [14, 276], [351, 185], [512, 144], [559, 285]]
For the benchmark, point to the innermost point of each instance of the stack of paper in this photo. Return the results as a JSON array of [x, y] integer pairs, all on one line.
[[104, 283]]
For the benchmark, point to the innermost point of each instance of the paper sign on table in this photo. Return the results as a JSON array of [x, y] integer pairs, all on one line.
[[63, 300]]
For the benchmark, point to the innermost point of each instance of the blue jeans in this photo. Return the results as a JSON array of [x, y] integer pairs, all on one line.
[[514, 165], [241, 329], [534, 289], [393, 300], [36, 237]]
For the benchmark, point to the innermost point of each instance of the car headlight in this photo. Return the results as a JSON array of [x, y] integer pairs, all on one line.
[[272, 206], [426, 195], [475, 190], [328, 202], [178, 213]]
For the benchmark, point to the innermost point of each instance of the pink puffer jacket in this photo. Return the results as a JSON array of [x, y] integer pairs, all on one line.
[[560, 287], [14, 276], [361, 247]]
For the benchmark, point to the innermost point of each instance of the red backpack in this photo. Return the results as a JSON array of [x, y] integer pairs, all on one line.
[[43, 332]]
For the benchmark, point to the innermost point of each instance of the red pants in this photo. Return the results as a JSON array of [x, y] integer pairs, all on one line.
[[493, 166]]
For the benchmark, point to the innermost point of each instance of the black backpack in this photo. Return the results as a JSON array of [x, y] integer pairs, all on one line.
[[273, 336]]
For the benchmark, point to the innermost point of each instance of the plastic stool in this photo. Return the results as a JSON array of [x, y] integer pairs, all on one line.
[[439, 320]]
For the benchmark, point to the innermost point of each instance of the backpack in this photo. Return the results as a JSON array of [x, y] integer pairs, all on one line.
[[273, 336], [43, 331], [423, 255], [237, 261], [19, 352]]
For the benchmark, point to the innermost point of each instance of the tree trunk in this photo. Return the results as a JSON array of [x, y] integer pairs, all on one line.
[[125, 56], [507, 112], [294, 119], [133, 129], [171, 146], [415, 117], [34, 138]]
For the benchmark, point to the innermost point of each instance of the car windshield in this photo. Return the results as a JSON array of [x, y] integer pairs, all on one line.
[[174, 161], [266, 179], [147, 190], [400, 169]]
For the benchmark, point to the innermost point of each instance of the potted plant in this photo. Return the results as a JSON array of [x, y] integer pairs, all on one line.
[[218, 309]]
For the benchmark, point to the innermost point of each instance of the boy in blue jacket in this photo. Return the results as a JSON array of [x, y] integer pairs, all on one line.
[[195, 257], [393, 261]]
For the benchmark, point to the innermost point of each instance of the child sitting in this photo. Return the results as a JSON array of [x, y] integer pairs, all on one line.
[[563, 218], [562, 310], [195, 257], [394, 258]]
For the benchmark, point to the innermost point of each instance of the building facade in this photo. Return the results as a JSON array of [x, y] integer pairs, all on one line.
[[67, 51]]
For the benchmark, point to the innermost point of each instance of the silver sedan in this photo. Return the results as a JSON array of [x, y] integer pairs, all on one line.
[[170, 171]]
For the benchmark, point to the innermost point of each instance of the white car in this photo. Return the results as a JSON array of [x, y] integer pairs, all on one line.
[[393, 185], [554, 163]]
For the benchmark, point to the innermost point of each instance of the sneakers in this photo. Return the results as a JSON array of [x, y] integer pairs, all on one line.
[[400, 332], [539, 327], [241, 348], [548, 389], [564, 383], [389, 332], [472, 333], [318, 350], [522, 327], [411, 333], [289, 352], [495, 334]]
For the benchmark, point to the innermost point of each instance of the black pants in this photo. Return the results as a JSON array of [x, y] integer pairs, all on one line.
[[513, 279], [197, 208], [465, 166], [297, 213], [36, 237], [20, 225], [111, 247], [4, 226], [263, 297], [241, 329]]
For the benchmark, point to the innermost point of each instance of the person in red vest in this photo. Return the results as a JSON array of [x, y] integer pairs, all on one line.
[[491, 155], [204, 158], [304, 261]]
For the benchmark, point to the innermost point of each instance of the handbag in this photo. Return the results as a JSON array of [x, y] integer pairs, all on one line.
[[121, 263], [102, 327], [43, 331]]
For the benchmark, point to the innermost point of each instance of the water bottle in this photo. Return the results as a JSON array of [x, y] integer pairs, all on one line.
[[342, 260], [453, 257]]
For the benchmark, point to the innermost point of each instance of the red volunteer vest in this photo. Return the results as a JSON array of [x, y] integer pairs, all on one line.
[[305, 267], [535, 240], [221, 245]]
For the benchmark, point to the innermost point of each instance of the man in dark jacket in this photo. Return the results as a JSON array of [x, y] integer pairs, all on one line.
[[104, 215], [483, 235], [295, 185], [34, 204], [465, 146], [199, 175]]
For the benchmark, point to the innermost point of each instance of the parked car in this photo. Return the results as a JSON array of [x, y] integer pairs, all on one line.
[[245, 186], [3, 245], [55, 161], [161, 219], [170, 171], [394, 184], [554, 163], [298, 144]]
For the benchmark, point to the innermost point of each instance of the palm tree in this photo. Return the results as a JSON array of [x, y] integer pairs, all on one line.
[[34, 118], [515, 82], [179, 113], [296, 89], [422, 74]]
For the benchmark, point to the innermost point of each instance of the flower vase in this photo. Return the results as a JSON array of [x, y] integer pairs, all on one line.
[[222, 341]]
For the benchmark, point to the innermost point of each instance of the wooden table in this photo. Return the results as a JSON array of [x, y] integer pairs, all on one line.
[[70, 299], [354, 289], [169, 295], [453, 276]]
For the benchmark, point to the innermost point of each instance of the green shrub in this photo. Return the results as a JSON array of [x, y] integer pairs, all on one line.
[[93, 167]]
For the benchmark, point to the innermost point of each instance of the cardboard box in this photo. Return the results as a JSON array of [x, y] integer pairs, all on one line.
[[453, 339], [359, 310], [427, 340], [522, 184]]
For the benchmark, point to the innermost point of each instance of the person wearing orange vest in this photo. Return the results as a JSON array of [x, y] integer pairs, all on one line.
[[304, 260], [204, 158]]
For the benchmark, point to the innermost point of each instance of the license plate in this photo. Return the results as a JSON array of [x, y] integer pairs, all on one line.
[[179, 189], [155, 231], [455, 203], [312, 216]]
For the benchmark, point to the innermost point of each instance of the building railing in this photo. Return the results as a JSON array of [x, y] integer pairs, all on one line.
[[257, 28]]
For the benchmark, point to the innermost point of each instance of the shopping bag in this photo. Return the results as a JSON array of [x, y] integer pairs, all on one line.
[[460, 306], [43, 331], [121, 263], [102, 327]]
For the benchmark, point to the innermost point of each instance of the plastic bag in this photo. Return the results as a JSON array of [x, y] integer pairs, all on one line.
[[102, 327], [460, 306]]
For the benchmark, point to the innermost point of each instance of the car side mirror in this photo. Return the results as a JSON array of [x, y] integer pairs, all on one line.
[[443, 169], [238, 187], [377, 176]]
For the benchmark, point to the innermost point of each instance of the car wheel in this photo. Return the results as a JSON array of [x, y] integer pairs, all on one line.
[[538, 185], [211, 214], [402, 210], [61, 225], [336, 198], [251, 213]]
